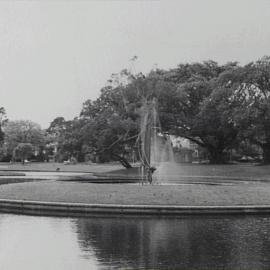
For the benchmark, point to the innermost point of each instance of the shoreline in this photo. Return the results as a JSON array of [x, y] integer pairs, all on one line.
[[87, 210], [60, 198]]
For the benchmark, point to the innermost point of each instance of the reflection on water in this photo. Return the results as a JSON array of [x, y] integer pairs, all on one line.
[[188, 243], [134, 242]]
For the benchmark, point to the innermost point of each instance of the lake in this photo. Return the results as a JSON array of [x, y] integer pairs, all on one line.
[[134, 242]]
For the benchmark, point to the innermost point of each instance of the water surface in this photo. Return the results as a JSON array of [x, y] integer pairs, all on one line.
[[28, 242]]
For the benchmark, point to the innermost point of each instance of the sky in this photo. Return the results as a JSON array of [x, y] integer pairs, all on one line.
[[54, 55]]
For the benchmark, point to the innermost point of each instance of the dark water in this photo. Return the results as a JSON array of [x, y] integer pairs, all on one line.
[[28, 242]]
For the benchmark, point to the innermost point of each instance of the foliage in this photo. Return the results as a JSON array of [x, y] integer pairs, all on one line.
[[111, 124], [22, 131], [216, 106], [23, 151], [252, 94], [3, 120], [67, 136], [201, 110]]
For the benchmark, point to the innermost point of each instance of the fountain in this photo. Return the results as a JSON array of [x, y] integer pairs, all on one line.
[[156, 147]]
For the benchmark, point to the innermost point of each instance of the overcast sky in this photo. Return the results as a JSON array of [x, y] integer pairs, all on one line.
[[56, 54]]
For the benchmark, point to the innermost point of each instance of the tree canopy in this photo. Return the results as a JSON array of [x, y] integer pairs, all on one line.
[[3, 120], [215, 106], [23, 151], [22, 131], [252, 95]]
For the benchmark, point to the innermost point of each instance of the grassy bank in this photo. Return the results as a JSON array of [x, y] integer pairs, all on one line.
[[217, 190], [7, 173], [238, 170], [54, 191], [54, 166]]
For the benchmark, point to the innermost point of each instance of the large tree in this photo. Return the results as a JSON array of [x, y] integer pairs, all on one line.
[[201, 109], [111, 124], [252, 93], [209, 104], [192, 102]]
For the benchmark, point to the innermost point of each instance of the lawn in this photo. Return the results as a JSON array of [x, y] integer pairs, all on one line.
[[53, 166], [214, 191], [200, 195], [248, 171]]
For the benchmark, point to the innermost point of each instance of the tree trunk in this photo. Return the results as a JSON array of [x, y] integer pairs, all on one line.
[[123, 161], [216, 156], [266, 153]]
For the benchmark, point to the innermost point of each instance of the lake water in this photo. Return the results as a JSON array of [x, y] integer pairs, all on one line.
[[49, 243]]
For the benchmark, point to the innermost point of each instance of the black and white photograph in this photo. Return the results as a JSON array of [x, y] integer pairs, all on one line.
[[134, 134]]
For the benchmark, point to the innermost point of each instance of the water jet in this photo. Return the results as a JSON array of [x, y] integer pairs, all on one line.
[[156, 146]]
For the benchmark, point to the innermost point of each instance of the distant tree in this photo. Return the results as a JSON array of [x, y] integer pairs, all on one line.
[[3, 120], [23, 151], [67, 136], [57, 126], [55, 135], [23, 131]]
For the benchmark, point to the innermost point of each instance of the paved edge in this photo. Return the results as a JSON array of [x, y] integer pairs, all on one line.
[[82, 209]]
